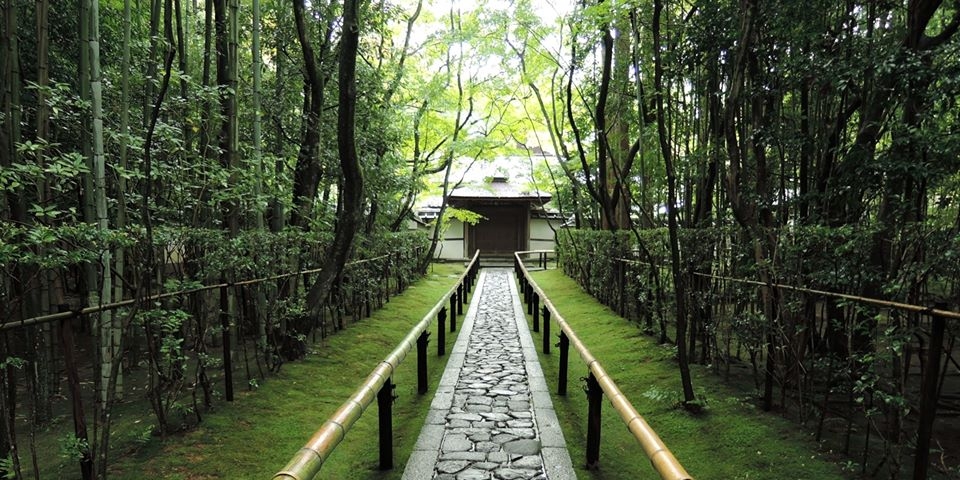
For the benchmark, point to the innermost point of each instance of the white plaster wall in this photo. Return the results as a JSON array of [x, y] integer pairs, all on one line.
[[453, 245], [541, 236]]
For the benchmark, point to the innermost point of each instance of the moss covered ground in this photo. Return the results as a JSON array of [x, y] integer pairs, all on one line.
[[730, 439], [256, 435]]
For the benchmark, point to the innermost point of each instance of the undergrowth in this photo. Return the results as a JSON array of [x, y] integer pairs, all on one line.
[[256, 435], [729, 439]]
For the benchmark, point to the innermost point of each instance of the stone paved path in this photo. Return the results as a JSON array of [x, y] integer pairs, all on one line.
[[492, 417]]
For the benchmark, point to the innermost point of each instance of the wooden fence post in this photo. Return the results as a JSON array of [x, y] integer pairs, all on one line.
[[442, 332], [564, 361], [459, 305], [535, 306], [453, 311], [595, 399], [385, 417], [529, 296], [546, 330], [422, 341]]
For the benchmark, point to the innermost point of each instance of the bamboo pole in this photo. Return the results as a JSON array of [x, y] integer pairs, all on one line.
[[306, 463], [160, 296], [843, 296], [661, 458]]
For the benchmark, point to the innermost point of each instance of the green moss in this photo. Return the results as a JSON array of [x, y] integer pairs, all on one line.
[[256, 435], [729, 440]]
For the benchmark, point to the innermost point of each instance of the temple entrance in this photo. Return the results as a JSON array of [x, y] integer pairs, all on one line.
[[502, 231]]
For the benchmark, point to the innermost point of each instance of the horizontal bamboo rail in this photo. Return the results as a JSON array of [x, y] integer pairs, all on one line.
[[162, 296], [662, 459], [929, 392], [937, 312], [306, 463], [542, 256]]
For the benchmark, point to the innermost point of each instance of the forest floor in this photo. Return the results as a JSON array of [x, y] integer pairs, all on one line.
[[730, 439], [255, 436]]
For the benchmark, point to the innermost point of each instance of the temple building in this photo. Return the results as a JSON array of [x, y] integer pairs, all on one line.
[[513, 219]]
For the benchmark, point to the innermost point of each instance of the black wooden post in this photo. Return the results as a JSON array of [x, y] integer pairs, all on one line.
[[442, 332], [459, 305], [929, 396], [535, 304], [385, 407], [529, 298], [595, 400], [453, 315], [453, 308], [399, 274], [422, 341], [383, 293], [546, 330], [621, 280], [225, 338], [564, 360], [73, 382]]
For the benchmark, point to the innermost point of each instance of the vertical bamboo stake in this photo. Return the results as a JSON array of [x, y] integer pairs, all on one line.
[[929, 395], [385, 404], [442, 332]]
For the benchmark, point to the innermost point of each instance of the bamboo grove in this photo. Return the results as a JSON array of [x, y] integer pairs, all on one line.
[[156, 146], [807, 144], [167, 168]]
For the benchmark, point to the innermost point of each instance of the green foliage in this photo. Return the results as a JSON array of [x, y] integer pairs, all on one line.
[[464, 215], [751, 444], [8, 467], [73, 448], [589, 256], [15, 362], [279, 416]]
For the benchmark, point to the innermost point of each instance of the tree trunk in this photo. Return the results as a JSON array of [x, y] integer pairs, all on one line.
[[120, 253], [257, 90], [45, 381], [352, 184], [679, 287], [306, 176]]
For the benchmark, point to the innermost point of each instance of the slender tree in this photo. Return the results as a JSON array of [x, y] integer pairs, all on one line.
[[307, 172], [672, 207], [352, 192]]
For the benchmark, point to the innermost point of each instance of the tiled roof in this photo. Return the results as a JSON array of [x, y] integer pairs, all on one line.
[[499, 189]]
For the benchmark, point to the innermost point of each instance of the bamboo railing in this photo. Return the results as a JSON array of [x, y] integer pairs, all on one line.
[[306, 463], [598, 384], [68, 313], [930, 383]]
